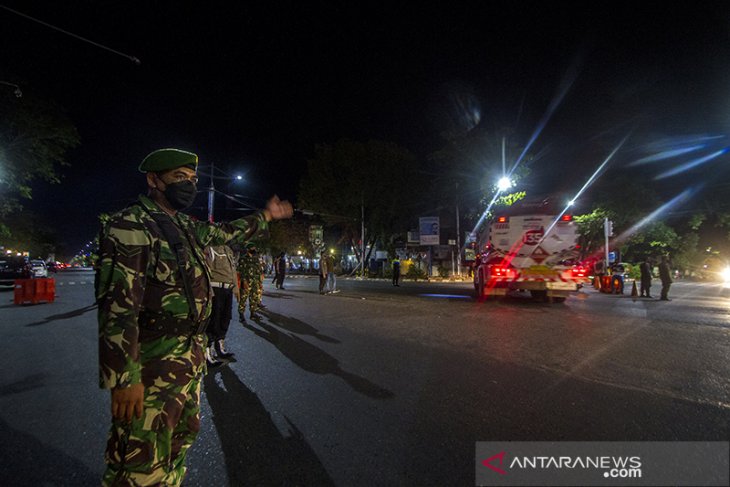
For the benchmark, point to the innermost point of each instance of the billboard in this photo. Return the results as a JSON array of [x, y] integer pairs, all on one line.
[[429, 230]]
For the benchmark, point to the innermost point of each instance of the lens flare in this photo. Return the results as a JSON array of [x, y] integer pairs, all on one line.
[[666, 155], [654, 215], [691, 164], [590, 181], [563, 89]]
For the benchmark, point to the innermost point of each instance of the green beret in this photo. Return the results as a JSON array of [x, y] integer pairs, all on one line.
[[165, 159]]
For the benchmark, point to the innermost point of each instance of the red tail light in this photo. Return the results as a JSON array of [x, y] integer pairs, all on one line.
[[579, 271], [502, 219], [499, 271], [566, 218]]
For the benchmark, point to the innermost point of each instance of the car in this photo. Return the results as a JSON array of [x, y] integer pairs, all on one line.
[[39, 268], [14, 267]]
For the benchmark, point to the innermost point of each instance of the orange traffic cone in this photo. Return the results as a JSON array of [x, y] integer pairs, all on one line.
[[597, 283], [634, 291]]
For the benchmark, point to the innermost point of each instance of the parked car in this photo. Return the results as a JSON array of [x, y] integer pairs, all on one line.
[[39, 268], [14, 267]]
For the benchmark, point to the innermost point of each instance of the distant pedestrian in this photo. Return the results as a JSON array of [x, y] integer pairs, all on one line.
[[331, 276], [323, 263], [280, 270], [645, 269], [396, 271], [665, 274], [223, 280], [275, 269]]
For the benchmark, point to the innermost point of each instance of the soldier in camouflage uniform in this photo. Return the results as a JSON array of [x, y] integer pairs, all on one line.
[[152, 319], [251, 269]]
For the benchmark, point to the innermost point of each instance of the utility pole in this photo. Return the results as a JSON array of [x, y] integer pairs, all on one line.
[[608, 231], [211, 193], [458, 234], [362, 237]]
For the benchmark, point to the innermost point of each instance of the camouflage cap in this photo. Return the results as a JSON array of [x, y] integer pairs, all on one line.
[[165, 159]]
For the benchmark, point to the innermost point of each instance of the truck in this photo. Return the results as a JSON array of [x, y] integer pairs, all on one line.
[[532, 246]]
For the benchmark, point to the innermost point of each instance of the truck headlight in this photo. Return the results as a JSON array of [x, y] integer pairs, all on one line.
[[725, 274]]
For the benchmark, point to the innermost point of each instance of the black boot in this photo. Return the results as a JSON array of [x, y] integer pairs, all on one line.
[[211, 360], [220, 350]]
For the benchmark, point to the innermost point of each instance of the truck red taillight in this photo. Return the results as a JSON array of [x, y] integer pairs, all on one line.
[[501, 271], [579, 271]]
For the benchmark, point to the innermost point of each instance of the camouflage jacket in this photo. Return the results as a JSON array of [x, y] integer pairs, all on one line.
[[137, 271], [250, 266]]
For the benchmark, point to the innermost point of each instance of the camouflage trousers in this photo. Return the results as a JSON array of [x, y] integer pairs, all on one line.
[[151, 450], [251, 290]]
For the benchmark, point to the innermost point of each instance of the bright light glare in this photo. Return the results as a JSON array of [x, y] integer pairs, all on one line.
[[504, 183], [239, 177], [571, 202], [725, 274]]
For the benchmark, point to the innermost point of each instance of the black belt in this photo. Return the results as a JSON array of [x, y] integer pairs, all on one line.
[[158, 323]]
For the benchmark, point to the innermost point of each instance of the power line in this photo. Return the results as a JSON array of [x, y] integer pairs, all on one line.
[[134, 59]]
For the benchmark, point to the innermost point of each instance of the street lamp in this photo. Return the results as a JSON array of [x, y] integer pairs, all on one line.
[[504, 183]]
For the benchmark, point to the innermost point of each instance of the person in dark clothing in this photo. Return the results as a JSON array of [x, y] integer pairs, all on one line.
[[645, 269], [323, 270], [281, 270], [665, 275], [396, 271], [275, 269]]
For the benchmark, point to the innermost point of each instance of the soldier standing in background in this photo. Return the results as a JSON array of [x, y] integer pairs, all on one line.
[[280, 270], [154, 297], [665, 275], [396, 271], [645, 269], [251, 271]]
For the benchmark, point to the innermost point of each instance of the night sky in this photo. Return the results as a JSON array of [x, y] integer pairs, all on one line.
[[253, 88]]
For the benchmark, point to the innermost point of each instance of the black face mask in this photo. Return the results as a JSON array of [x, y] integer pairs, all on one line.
[[181, 195]]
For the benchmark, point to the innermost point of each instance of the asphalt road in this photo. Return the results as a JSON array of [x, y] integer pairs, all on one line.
[[379, 385]]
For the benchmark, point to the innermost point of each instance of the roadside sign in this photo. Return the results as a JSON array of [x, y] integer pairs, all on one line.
[[429, 229]]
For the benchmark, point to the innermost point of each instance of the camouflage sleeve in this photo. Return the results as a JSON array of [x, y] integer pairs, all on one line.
[[234, 232], [124, 253]]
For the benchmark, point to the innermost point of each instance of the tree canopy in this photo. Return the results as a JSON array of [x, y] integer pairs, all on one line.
[[346, 177], [35, 136]]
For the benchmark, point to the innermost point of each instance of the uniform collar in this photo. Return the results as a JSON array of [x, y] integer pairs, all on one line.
[[150, 205]]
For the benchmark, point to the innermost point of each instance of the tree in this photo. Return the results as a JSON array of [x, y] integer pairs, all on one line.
[[288, 236], [591, 230], [35, 136], [348, 176], [656, 238]]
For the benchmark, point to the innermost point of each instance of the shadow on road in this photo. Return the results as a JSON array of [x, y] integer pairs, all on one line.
[[279, 296], [26, 461], [28, 383], [64, 316], [256, 453], [296, 326], [315, 360]]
